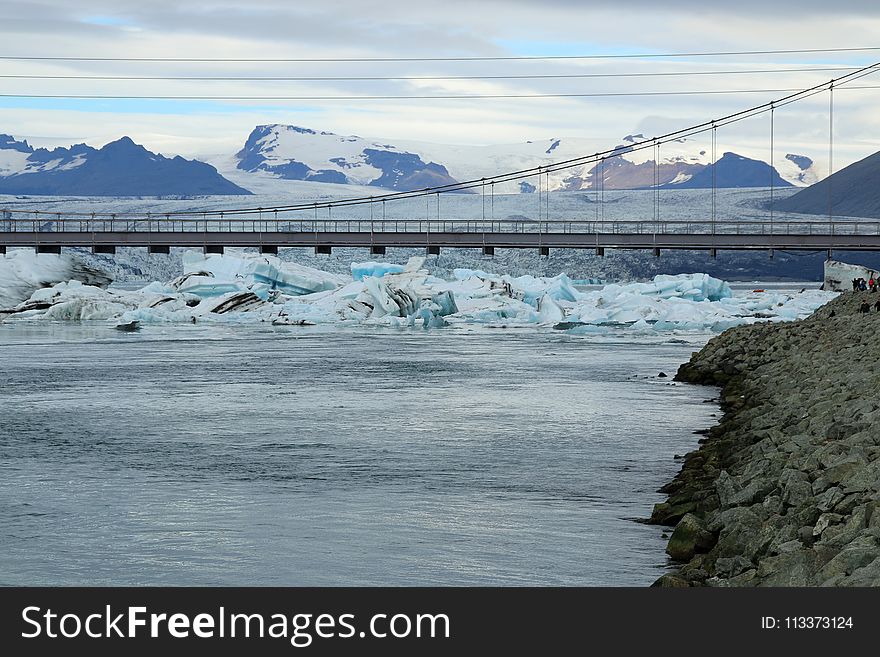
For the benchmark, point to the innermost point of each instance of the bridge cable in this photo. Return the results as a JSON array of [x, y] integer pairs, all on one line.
[[658, 185], [714, 175], [830, 150], [435, 59], [377, 78], [578, 161], [547, 196], [772, 168], [492, 210]]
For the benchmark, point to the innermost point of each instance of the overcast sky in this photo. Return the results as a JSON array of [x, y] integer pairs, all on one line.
[[368, 28]]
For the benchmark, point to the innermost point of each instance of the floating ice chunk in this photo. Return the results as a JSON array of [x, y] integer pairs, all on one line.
[[445, 302], [85, 308], [361, 270], [247, 270], [414, 263], [207, 286], [548, 311], [558, 288], [23, 271]]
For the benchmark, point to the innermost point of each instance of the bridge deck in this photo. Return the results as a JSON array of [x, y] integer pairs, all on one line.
[[442, 239], [231, 232]]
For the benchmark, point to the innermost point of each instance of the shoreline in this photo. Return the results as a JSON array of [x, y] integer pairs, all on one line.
[[785, 489]]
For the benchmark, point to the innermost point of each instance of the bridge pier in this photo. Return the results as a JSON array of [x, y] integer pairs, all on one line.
[[268, 249], [323, 249], [377, 250], [600, 251], [2, 249], [771, 254], [488, 250], [216, 249], [433, 249], [544, 251], [104, 248], [49, 248], [656, 252], [162, 249], [713, 253]]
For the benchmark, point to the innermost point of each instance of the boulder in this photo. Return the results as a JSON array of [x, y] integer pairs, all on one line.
[[689, 537]]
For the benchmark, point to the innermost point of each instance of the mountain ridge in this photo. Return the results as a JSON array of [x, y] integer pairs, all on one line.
[[119, 168], [854, 192]]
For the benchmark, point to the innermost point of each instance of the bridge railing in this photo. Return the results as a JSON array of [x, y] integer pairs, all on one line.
[[41, 222]]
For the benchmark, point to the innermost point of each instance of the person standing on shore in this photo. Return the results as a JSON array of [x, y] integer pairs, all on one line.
[[864, 307]]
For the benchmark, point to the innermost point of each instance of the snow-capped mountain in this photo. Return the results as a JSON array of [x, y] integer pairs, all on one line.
[[731, 170], [281, 159], [295, 153], [284, 153], [120, 168]]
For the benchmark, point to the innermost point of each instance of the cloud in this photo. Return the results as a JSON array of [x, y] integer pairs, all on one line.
[[370, 28]]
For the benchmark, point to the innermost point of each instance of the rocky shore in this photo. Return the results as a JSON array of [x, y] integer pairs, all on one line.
[[785, 490]]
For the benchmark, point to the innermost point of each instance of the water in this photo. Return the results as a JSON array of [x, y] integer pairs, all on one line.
[[229, 456]]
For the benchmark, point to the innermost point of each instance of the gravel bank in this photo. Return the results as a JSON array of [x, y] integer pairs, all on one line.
[[785, 490]]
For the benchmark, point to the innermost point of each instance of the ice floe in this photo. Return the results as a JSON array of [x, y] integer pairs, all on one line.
[[244, 288]]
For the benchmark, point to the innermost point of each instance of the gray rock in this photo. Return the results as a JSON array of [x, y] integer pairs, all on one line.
[[796, 493], [731, 566], [689, 537], [826, 520], [868, 575], [866, 478], [796, 568], [848, 561], [828, 499]]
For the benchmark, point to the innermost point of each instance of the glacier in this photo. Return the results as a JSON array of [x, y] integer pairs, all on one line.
[[248, 288]]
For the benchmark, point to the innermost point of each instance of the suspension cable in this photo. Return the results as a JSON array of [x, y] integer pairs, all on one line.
[[772, 167], [558, 166], [830, 150]]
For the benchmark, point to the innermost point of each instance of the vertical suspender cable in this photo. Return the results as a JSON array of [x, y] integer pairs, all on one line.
[[658, 187], [492, 209], [714, 157], [772, 167], [539, 194], [654, 208], [547, 197], [830, 150]]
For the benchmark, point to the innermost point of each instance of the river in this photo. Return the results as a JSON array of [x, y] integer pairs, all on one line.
[[206, 455]]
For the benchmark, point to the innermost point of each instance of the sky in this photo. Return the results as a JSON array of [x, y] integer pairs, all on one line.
[[265, 29]]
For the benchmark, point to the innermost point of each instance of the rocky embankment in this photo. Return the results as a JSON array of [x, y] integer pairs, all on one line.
[[785, 490]]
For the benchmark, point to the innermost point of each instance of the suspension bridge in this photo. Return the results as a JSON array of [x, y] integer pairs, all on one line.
[[312, 224]]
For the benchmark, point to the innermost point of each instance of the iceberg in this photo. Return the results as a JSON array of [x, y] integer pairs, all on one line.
[[22, 272], [212, 275], [242, 288], [361, 270]]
